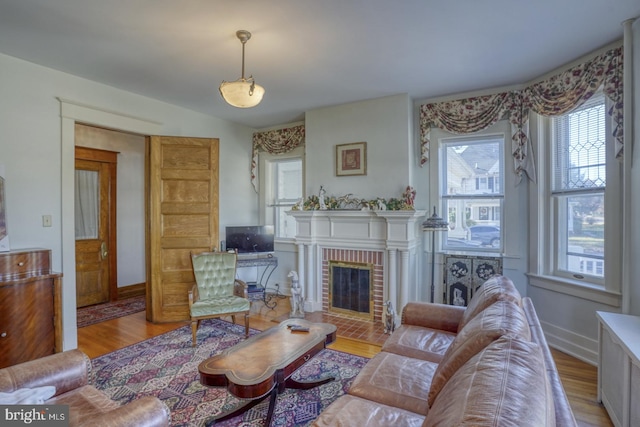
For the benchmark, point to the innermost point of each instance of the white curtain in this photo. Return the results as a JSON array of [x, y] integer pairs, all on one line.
[[86, 204]]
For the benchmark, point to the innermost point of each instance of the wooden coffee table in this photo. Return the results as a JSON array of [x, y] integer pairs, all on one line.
[[262, 365]]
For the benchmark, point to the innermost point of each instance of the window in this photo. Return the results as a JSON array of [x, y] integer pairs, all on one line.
[[578, 189], [283, 177], [472, 191]]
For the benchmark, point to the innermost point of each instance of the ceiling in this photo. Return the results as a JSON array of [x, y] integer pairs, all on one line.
[[307, 53]]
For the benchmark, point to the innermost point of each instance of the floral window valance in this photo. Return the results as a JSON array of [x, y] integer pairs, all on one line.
[[277, 141], [553, 96]]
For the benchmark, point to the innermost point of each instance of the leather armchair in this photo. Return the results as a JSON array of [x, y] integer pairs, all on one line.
[[70, 373]]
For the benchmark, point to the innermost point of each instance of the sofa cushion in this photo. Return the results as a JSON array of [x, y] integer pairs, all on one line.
[[500, 318], [497, 288], [395, 380], [419, 342], [503, 385], [84, 402], [349, 411]]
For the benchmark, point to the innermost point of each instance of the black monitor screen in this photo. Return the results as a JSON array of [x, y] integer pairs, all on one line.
[[250, 239]]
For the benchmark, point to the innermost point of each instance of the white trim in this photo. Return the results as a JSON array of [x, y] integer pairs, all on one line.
[[578, 346], [70, 113], [575, 288]]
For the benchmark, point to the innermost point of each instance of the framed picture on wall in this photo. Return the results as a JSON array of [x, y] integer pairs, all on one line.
[[4, 234], [351, 159]]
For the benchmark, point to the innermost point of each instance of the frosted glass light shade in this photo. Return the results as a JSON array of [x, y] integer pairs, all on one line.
[[238, 93]]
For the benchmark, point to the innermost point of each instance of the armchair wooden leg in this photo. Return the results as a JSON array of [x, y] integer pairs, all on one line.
[[246, 325], [194, 329]]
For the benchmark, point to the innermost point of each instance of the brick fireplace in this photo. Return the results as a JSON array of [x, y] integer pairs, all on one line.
[[389, 241]]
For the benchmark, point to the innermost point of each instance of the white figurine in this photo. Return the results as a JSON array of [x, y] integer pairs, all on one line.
[[389, 318], [297, 300], [323, 203]]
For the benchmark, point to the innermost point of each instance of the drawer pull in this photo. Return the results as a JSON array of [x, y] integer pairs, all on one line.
[[4, 334], [307, 357], [20, 264]]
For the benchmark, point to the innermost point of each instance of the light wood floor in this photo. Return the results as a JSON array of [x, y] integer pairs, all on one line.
[[579, 378]]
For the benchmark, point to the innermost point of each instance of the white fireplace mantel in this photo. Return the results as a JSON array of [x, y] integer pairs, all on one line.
[[395, 233]]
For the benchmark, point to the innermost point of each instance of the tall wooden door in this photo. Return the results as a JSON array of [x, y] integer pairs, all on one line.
[[95, 184], [183, 218]]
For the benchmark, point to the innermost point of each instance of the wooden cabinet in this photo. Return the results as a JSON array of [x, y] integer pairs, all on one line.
[[619, 367], [30, 306]]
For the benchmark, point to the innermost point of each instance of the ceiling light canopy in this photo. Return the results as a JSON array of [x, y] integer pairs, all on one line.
[[242, 93]]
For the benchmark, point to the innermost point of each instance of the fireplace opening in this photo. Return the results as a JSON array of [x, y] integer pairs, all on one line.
[[351, 288]]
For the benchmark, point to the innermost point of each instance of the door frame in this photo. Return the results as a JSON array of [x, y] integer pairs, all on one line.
[[70, 113], [110, 158]]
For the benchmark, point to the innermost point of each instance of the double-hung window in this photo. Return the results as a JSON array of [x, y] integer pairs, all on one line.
[[283, 189], [472, 191], [578, 184]]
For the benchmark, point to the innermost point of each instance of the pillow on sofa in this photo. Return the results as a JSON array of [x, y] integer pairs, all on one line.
[[27, 396], [497, 288], [504, 385], [499, 319]]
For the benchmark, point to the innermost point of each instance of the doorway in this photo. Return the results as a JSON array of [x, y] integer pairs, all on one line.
[[126, 252]]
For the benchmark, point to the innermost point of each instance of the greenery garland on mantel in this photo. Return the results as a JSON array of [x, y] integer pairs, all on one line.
[[347, 202]]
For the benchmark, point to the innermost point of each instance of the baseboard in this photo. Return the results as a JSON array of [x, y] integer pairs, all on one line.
[[578, 346], [132, 291]]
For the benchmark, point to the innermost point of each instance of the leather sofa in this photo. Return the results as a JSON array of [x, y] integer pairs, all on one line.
[[484, 365], [70, 373]]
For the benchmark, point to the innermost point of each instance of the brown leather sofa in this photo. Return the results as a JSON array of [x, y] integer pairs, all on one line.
[[70, 373], [486, 365]]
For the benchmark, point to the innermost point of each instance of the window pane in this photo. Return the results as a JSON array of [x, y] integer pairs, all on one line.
[[474, 224], [87, 201], [584, 243], [580, 148], [289, 180], [473, 167]]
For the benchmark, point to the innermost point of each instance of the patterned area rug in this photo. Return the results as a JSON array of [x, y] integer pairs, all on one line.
[[167, 367], [109, 310]]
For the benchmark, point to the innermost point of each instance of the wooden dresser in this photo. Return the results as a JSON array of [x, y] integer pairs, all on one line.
[[30, 306]]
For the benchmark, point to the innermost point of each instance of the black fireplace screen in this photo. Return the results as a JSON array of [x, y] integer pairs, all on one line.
[[350, 287]]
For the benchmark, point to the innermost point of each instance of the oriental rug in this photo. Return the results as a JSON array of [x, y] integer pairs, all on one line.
[[166, 366], [110, 310]]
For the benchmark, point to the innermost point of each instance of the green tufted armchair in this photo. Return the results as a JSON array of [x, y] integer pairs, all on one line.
[[217, 292]]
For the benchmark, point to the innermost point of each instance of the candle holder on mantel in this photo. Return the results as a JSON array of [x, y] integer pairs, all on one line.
[[433, 224]]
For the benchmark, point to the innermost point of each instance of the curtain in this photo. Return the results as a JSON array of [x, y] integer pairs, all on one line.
[[277, 141], [86, 204], [553, 96]]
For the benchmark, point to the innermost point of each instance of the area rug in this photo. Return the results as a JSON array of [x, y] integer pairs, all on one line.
[[110, 310], [167, 367]]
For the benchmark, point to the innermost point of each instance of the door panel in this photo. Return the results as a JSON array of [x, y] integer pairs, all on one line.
[[183, 218], [92, 228]]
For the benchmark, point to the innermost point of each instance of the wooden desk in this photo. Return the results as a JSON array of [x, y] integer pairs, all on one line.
[[262, 365]]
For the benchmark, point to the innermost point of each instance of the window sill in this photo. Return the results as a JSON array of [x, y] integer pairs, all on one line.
[[575, 288]]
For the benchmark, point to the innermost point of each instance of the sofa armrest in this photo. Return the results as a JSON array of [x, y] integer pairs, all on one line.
[[65, 371], [148, 411], [435, 316]]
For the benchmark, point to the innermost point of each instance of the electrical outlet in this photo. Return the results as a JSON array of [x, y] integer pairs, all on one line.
[[46, 220]]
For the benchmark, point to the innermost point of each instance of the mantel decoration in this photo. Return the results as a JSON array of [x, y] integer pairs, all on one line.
[[351, 159], [242, 93], [322, 202]]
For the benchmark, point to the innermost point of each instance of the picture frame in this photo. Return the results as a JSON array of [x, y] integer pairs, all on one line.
[[351, 159]]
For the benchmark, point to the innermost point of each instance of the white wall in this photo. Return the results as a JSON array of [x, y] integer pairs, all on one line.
[[33, 155], [384, 124]]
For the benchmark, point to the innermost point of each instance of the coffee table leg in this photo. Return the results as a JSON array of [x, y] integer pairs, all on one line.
[[250, 404], [272, 406], [306, 385]]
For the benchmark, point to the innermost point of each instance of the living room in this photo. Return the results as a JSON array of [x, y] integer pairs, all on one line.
[[40, 105]]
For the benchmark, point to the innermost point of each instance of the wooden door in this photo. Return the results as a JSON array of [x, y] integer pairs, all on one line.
[[95, 226], [182, 218]]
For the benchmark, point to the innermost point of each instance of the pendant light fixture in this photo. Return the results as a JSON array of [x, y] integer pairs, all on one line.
[[242, 93]]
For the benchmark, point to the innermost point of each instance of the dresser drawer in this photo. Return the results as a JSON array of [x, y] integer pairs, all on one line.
[[24, 262]]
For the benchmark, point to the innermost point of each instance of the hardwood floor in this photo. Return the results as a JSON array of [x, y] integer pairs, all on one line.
[[579, 378]]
